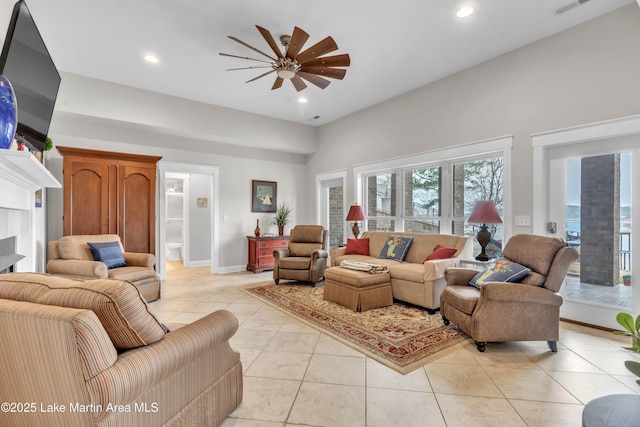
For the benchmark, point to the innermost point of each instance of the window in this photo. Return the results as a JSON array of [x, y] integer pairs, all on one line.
[[479, 179], [435, 198], [381, 202], [422, 200]]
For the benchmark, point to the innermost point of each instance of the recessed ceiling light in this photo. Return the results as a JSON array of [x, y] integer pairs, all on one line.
[[465, 11], [151, 58], [303, 100]]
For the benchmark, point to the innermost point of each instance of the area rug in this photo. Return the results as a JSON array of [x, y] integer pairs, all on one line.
[[402, 337]]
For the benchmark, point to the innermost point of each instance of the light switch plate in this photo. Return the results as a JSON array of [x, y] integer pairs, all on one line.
[[522, 221]]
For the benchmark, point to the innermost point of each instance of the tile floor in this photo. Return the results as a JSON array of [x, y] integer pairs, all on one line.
[[296, 376]]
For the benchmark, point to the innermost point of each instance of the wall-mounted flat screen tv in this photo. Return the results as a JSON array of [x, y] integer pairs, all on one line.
[[26, 63]]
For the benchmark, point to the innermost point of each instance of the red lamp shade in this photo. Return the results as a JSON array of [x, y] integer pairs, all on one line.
[[356, 214], [484, 212]]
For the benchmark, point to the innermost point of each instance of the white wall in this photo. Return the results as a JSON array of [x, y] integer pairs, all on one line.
[[586, 74], [85, 100], [199, 219]]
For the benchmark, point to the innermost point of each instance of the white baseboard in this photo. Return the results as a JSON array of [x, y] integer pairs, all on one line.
[[232, 269], [203, 263]]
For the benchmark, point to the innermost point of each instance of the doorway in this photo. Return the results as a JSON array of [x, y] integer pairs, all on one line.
[[187, 213], [331, 206], [588, 201], [177, 209]]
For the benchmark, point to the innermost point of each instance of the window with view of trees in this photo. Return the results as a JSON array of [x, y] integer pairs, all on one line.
[[434, 198], [422, 200]]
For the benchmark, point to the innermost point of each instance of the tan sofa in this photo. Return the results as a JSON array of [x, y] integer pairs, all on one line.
[[89, 353], [413, 280], [70, 256]]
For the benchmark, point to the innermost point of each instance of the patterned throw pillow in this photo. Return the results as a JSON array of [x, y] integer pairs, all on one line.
[[396, 247], [109, 253], [502, 270], [357, 247], [441, 252]]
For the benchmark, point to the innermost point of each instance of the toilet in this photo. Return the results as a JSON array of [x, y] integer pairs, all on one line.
[[174, 251], [175, 239]]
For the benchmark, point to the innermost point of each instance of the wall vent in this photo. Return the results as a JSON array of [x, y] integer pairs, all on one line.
[[570, 6]]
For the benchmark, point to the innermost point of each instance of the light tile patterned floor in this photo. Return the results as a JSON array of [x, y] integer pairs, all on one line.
[[296, 376]]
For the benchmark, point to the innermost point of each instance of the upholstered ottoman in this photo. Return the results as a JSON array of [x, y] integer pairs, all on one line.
[[357, 290]]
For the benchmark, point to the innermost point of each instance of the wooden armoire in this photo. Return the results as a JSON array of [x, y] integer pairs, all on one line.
[[111, 193]]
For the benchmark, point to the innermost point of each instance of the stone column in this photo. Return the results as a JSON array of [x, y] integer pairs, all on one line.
[[600, 220], [336, 219]]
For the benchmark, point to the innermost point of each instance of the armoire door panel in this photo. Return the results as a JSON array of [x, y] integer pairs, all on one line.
[[137, 193], [87, 204]]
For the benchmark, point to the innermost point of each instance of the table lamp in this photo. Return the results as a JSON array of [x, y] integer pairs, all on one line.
[[484, 212], [356, 214]]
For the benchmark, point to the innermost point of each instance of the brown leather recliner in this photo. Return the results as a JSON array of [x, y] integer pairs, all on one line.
[[306, 257], [501, 311]]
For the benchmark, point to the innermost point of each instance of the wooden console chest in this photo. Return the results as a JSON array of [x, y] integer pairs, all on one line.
[[261, 251]]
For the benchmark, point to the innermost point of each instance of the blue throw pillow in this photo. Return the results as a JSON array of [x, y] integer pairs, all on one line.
[[396, 247], [502, 270], [108, 252]]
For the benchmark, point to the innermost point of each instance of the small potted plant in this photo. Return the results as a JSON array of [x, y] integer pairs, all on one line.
[[633, 330], [281, 218]]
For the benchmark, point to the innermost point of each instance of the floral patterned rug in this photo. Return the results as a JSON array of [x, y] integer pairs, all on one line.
[[401, 337]]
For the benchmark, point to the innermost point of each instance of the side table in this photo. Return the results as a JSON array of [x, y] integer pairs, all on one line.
[[475, 264], [261, 251]]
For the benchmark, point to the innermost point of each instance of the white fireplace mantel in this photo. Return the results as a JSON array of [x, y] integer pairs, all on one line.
[[22, 168], [21, 175]]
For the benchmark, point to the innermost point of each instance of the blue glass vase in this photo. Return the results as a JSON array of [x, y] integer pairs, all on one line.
[[8, 113]]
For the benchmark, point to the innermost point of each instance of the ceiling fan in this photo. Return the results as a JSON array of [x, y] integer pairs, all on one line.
[[295, 65]]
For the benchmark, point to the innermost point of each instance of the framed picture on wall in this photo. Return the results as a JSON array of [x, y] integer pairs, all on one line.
[[263, 196]]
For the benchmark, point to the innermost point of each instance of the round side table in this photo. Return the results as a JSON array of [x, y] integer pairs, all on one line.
[[615, 410]]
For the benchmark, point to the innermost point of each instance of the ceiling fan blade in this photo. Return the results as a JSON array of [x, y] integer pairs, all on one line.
[[245, 57], [298, 83], [261, 75], [248, 68], [328, 61], [322, 47], [298, 39], [278, 83], [313, 79], [235, 39], [334, 73], [270, 41]]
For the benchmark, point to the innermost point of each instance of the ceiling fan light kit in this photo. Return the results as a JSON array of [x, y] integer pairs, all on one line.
[[295, 65]]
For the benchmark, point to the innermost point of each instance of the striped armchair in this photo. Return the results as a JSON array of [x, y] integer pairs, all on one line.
[[88, 353]]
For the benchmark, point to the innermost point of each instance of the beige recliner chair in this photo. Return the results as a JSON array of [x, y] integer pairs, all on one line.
[[501, 311], [70, 256], [306, 257]]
